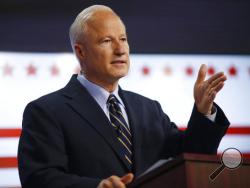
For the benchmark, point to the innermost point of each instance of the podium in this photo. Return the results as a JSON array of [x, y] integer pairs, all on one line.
[[193, 171]]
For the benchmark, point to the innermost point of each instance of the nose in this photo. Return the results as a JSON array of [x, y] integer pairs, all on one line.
[[120, 48]]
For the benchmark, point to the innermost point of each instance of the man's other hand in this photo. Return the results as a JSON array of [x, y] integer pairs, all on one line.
[[116, 182], [205, 90]]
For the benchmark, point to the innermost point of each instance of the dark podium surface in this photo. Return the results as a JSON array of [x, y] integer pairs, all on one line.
[[193, 171]]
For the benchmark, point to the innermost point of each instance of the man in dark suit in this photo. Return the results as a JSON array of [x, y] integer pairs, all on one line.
[[92, 133]]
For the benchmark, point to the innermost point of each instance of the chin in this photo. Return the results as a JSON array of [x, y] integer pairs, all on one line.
[[125, 73], [118, 76], [120, 72]]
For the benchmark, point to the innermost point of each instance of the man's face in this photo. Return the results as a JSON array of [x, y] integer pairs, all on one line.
[[106, 49]]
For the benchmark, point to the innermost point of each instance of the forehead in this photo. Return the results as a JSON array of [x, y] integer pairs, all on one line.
[[105, 23]]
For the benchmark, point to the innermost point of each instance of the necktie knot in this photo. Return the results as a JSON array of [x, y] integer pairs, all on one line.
[[113, 104], [112, 99]]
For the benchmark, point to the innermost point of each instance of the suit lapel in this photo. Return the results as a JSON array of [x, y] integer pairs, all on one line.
[[86, 106]]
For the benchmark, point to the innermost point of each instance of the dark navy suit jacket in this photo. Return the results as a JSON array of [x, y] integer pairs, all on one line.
[[67, 140]]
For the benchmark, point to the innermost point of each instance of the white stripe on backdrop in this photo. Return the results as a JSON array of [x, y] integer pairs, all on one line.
[[166, 78]]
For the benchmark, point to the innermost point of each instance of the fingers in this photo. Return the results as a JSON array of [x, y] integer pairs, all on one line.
[[111, 182], [105, 184], [218, 87], [116, 182], [201, 74], [214, 78], [217, 83], [213, 91], [127, 178], [219, 80]]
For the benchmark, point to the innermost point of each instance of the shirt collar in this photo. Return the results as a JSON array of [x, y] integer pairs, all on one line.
[[97, 92]]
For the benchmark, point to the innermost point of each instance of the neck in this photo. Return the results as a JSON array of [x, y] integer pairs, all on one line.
[[109, 86]]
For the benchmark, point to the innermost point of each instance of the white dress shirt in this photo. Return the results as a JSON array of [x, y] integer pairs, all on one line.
[[101, 96]]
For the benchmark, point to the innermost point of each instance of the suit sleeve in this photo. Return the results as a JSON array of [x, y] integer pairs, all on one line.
[[201, 136], [42, 157]]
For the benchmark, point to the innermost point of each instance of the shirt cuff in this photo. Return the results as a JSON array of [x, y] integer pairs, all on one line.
[[213, 115]]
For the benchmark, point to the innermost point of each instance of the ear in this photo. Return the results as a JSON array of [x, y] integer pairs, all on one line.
[[80, 52]]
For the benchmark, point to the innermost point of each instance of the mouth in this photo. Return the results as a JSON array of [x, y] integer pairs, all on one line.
[[118, 62]]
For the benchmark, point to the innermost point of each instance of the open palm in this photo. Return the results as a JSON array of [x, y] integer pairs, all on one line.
[[205, 90]]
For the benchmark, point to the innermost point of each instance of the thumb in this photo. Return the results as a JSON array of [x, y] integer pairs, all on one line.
[[202, 73], [127, 178]]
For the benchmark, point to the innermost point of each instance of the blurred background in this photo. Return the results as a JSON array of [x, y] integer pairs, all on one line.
[[169, 40]]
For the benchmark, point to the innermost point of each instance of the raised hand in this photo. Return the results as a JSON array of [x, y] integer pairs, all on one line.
[[205, 90]]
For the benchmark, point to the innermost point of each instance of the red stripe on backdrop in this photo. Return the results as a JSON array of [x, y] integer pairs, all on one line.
[[232, 130], [11, 162], [235, 130], [238, 130], [8, 162], [10, 132]]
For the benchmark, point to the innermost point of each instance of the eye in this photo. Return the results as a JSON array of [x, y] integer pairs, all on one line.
[[124, 39], [106, 41]]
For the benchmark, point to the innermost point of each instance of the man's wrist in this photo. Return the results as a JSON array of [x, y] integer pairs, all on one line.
[[212, 116]]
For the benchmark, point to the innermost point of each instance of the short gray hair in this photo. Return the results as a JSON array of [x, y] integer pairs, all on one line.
[[78, 27]]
